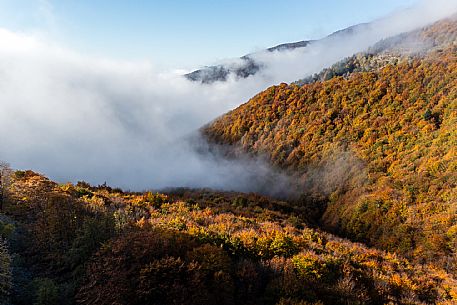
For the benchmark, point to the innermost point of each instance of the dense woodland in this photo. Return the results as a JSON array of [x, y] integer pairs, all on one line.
[[374, 151], [77, 244], [393, 134]]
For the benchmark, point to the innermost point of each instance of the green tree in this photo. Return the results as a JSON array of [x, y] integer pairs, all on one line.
[[5, 179], [46, 293], [5, 273]]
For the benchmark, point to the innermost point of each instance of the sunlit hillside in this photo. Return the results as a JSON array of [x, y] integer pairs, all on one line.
[[317, 172], [85, 245], [391, 130]]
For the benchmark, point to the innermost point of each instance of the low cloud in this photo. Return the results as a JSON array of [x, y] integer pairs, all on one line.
[[74, 117], [289, 66]]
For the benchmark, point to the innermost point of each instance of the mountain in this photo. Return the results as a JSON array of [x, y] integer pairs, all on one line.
[[371, 145], [208, 75], [248, 65], [79, 244], [290, 46], [391, 51], [377, 141]]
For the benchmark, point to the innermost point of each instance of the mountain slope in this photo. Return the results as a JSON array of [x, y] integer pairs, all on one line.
[[95, 245], [390, 133], [248, 65], [393, 50]]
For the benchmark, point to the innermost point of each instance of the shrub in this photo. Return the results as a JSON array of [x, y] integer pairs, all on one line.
[[46, 292], [5, 272]]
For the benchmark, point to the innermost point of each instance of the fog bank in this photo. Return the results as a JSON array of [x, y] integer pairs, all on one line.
[[76, 117]]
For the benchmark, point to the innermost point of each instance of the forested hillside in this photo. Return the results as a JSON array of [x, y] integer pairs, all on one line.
[[393, 50], [387, 136], [77, 244], [370, 149]]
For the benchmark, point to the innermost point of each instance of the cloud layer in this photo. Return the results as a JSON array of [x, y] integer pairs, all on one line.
[[76, 117]]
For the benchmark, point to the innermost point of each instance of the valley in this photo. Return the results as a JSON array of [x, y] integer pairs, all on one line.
[[351, 179]]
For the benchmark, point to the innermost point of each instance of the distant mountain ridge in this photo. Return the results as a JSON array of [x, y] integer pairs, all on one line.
[[250, 66], [290, 46]]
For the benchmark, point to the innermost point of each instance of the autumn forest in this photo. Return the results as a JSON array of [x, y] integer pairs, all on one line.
[[369, 217]]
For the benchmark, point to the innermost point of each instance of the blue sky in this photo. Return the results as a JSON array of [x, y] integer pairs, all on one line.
[[182, 33]]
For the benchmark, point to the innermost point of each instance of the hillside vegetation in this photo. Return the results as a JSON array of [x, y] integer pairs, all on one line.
[[371, 146], [380, 145], [67, 244], [393, 50]]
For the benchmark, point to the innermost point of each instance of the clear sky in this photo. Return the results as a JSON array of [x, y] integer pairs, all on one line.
[[186, 33]]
